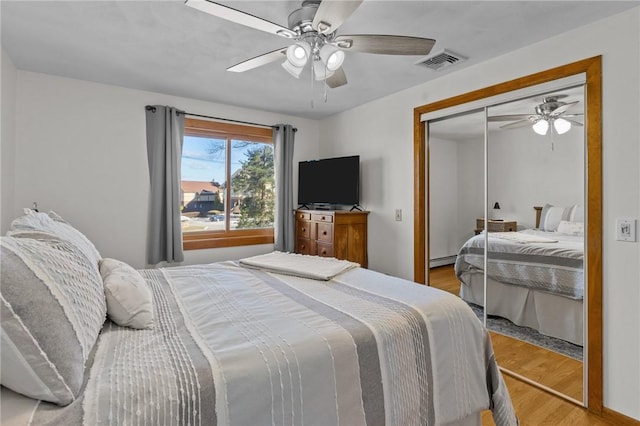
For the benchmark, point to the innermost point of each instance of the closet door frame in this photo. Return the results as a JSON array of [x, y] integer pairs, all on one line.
[[592, 67]]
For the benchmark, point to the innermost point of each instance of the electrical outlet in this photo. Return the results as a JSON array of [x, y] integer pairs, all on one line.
[[626, 230], [398, 215]]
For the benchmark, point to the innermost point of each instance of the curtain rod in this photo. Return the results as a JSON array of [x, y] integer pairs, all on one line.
[[153, 109]]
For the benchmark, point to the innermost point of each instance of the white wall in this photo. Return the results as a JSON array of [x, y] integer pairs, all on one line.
[[443, 198], [456, 192], [470, 185], [382, 133], [8, 138], [526, 171], [81, 151]]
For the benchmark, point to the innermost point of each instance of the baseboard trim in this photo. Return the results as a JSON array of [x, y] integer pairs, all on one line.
[[442, 261], [618, 418]]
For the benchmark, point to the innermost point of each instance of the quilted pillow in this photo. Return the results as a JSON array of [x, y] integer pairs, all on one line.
[[551, 216], [52, 310], [571, 228], [54, 224], [129, 300], [577, 213]]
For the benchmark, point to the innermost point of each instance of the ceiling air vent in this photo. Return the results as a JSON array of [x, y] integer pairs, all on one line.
[[440, 60]]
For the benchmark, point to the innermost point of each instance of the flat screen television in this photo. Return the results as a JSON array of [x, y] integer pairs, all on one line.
[[334, 181]]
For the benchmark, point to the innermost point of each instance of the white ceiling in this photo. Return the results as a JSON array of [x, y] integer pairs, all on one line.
[[167, 47]]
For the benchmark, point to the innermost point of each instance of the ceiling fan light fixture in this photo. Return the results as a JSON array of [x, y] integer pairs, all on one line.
[[541, 127], [331, 56], [561, 125], [320, 70], [298, 53], [292, 69]]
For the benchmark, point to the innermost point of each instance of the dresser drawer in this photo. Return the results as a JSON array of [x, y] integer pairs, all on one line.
[[303, 246], [303, 216], [324, 250], [322, 217], [303, 229], [325, 232]]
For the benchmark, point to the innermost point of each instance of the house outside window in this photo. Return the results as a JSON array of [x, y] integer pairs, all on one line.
[[228, 185]]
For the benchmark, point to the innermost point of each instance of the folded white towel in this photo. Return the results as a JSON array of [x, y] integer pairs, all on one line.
[[314, 267]]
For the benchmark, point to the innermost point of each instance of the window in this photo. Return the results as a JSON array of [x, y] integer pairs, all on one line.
[[228, 185]]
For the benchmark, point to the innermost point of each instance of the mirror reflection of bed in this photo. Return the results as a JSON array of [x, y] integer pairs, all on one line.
[[535, 276], [535, 290]]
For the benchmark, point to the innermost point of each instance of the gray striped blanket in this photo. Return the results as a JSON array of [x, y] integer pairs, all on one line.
[[553, 267], [239, 346]]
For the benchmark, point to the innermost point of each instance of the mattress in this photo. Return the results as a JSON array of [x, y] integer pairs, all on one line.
[[241, 346]]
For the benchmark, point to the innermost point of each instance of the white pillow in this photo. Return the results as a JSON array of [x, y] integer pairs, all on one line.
[[552, 216], [571, 228], [54, 224], [129, 299], [577, 213]]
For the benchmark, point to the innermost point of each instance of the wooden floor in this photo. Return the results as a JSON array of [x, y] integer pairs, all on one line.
[[533, 405]]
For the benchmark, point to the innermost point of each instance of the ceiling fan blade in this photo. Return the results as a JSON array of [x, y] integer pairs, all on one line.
[[511, 117], [521, 123], [332, 13], [239, 17], [562, 108], [385, 44], [577, 123], [339, 78], [259, 61]]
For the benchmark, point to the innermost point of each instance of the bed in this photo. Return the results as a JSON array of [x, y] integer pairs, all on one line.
[[272, 339], [535, 277]]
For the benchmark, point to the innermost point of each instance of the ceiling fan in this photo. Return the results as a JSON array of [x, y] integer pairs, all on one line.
[[552, 111], [312, 30]]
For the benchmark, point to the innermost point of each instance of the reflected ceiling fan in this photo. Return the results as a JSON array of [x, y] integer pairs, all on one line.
[[312, 30], [552, 111]]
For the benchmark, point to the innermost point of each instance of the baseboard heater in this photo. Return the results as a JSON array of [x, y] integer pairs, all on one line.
[[441, 261]]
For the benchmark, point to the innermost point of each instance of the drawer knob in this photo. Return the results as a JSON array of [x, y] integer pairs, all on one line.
[[324, 251], [303, 229], [324, 232], [302, 246], [322, 218]]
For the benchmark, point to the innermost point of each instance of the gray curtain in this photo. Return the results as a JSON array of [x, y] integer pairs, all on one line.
[[283, 136], [165, 131]]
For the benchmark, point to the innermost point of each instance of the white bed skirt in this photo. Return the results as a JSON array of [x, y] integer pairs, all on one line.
[[552, 315]]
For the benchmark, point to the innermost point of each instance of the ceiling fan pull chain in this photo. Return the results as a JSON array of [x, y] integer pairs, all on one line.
[[324, 81], [325, 91], [312, 79]]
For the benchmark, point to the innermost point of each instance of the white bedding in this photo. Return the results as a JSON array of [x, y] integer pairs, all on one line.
[[534, 279], [554, 267], [233, 345]]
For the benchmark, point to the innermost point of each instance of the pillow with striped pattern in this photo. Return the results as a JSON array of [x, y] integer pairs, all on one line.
[[52, 310], [54, 224], [551, 217]]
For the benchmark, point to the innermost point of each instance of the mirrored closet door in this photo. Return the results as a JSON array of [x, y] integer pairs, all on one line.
[[534, 277], [516, 166]]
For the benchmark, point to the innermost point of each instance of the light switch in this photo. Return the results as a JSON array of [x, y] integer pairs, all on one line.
[[626, 230]]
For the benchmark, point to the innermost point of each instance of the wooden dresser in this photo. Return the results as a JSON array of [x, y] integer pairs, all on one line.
[[332, 233]]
